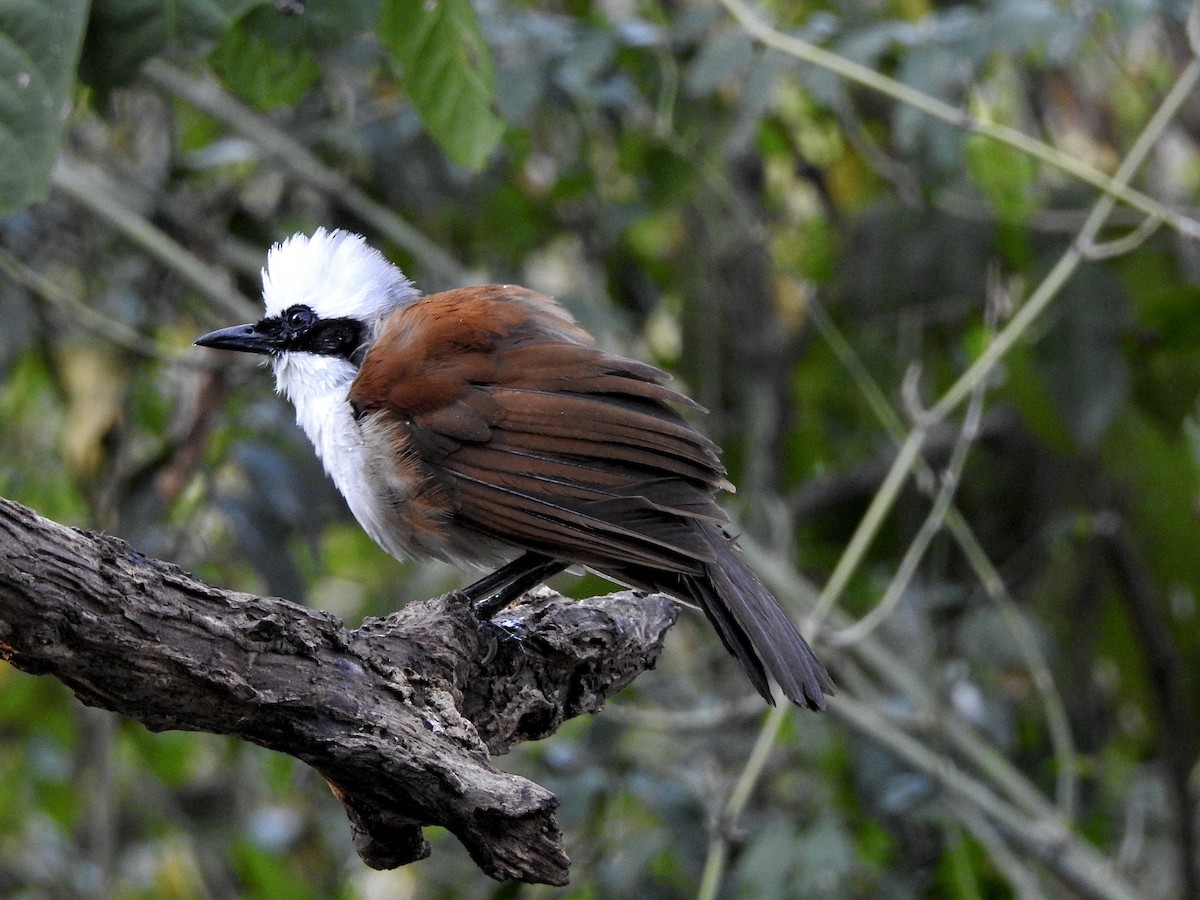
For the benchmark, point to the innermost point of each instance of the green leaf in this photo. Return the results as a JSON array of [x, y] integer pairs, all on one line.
[[39, 50], [447, 73], [324, 24], [270, 59], [262, 73], [1158, 479], [1005, 176], [123, 34]]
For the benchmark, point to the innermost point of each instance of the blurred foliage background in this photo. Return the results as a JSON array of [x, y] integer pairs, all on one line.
[[816, 255]]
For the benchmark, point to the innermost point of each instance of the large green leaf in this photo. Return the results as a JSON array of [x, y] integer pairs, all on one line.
[[263, 73], [271, 58], [39, 49], [123, 34], [324, 24], [447, 73]]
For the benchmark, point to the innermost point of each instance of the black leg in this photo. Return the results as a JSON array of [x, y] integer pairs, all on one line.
[[493, 592]]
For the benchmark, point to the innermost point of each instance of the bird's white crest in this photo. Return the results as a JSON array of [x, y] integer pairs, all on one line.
[[337, 274]]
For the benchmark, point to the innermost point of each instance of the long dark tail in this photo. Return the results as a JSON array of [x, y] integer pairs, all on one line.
[[750, 622]]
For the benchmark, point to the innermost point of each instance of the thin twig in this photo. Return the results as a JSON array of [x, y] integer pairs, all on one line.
[[89, 187], [211, 98], [1074, 861], [978, 372], [1018, 875], [1074, 255], [868, 527], [718, 842], [1112, 186], [1057, 721], [1028, 644], [913, 689], [1133, 832], [1126, 243], [933, 523]]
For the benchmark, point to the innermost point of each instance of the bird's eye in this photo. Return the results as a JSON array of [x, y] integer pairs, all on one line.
[[298, 317]]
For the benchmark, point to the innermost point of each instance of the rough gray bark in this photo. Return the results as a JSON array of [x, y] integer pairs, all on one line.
[[400, 715]]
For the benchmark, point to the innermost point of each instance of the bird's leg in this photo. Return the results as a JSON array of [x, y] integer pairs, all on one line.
[[493, 592]]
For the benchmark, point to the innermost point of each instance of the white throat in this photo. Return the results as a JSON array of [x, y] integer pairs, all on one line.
[[318, 388]]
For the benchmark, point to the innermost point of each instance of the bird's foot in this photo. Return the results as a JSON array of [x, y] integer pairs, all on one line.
[[506, 633]]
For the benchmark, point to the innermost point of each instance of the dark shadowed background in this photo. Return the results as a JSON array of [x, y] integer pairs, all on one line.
[[818, 259]]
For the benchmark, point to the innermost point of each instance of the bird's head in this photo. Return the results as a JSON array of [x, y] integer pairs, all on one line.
[[325, 296]]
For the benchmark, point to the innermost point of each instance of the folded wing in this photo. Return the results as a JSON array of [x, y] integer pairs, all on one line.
[[540, 441]]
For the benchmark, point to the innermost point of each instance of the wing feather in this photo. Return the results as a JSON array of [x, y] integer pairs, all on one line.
[[532, 438], [538, 438], [539, 525]]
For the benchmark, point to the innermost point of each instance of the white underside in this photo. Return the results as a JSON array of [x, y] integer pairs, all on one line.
[[360, 460], [317, 387]]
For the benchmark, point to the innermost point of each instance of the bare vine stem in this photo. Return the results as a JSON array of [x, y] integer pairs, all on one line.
[[88, 186], [1057, 721], [1113, 186], [209, 97], [718, 844], [1077, 252], [934, 522], [906, 685], [1113, 189]]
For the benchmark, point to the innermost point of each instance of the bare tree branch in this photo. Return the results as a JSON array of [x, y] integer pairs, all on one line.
[[400, 715]]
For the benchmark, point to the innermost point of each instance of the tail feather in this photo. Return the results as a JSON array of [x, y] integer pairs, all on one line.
[[757, 630], [748, 619]]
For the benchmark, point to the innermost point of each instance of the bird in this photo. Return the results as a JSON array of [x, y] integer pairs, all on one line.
[[482, 426]]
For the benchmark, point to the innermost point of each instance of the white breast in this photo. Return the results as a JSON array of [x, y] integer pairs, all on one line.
[[317, 387], [394, 502]]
